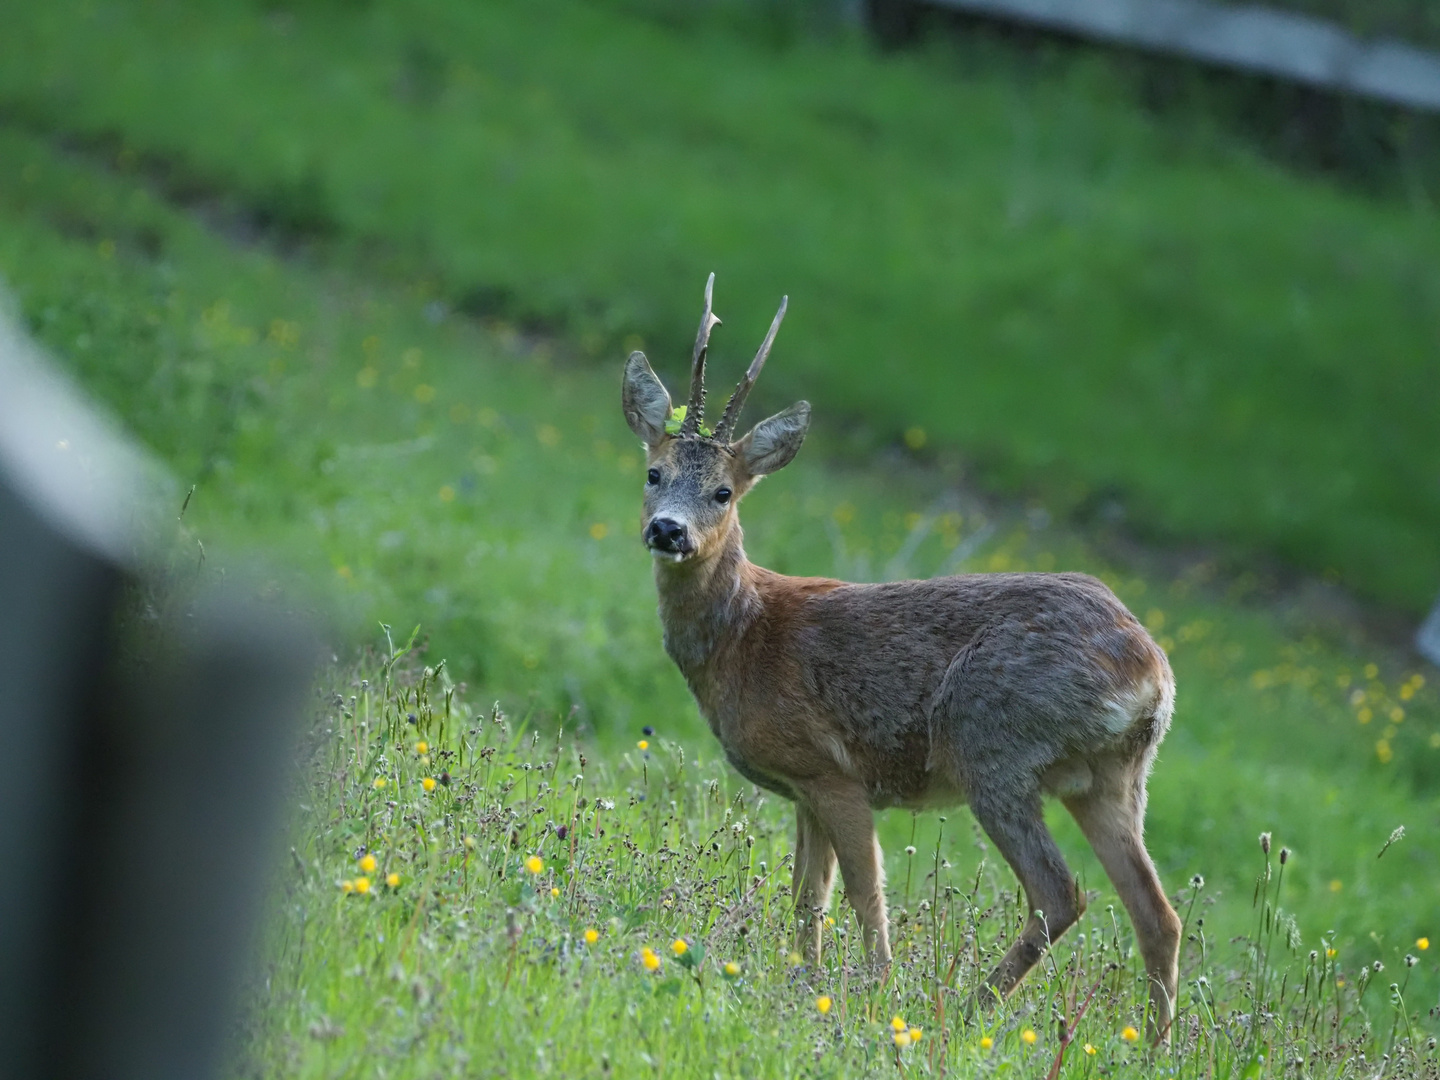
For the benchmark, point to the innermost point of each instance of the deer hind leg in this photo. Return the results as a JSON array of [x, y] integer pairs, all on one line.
[[844, 816], [1018, 830], [1112, 817], [813, 881]]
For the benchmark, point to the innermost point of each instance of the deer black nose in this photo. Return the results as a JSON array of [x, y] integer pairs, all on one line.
[[665, 534]]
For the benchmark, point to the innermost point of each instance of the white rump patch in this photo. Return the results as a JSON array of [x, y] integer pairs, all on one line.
[[1121, 712]]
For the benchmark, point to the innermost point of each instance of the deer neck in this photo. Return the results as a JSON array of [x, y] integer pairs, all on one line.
[[705, 603]]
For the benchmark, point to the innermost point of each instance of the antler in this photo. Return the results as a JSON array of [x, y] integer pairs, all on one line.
[[695, 411], [726, 426]]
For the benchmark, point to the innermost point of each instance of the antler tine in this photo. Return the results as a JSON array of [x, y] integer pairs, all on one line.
[[737, 400], [695, 411]]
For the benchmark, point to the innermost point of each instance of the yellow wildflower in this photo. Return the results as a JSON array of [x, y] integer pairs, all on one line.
[[794, 959], [1130, 1034], [592, 936], [1028, 1037], [392, 879], [554, 890], [380, 782], [1330, 954], [428, 783], [422, 747], [823, 1003], [915, 1034], [986, 1042], [362, 885], [367, 863], [1336, 885], [902, 1039], [1090, 1049], [534, 864], [649, 959], [898, 1024], [679, 947], [347, 886], [731, 969], [643, 744], [1422, 943]]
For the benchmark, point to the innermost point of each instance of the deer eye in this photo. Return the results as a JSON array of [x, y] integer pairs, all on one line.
[[653, 476], [723, 495]]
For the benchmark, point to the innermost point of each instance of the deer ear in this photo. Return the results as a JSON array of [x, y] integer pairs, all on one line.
[[645, 400], [772, 444]]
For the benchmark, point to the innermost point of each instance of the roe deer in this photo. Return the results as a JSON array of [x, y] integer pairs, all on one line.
[[987, 689]]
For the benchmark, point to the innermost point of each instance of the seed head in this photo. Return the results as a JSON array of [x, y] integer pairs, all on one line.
[[561, 832], [1265, 842], [1411, 961], [1197, 882], [1378, 966], [1284, 855], [647, 731]]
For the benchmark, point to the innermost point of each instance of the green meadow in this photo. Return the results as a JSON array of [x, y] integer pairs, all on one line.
[[376, 317], [1094, 306]]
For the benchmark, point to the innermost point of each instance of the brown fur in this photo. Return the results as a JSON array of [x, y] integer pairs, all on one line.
[[987, 689]]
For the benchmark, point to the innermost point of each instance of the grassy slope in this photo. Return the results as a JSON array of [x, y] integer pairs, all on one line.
[[249, 372], [1023, 266]]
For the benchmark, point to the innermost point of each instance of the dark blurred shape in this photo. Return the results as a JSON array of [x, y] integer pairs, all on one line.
[[1427, 638], [144, 757]]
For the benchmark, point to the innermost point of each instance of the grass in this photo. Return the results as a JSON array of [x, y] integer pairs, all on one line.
[[1009, 260], [471, 893], [481, 483]]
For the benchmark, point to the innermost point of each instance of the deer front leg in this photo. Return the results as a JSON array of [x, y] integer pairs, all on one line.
[[813, 881], [844, 816]]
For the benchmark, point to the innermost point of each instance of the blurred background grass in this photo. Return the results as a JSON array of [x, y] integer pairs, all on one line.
[[364, 273], [1092, 305]]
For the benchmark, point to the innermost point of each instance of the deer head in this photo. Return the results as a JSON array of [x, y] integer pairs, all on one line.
[[695, 478]]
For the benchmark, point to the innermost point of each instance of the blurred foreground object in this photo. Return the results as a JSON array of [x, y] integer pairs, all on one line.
[[1427, 638], [145, 756]]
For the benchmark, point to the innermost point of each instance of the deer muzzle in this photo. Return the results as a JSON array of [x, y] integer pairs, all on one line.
[[668, 536]]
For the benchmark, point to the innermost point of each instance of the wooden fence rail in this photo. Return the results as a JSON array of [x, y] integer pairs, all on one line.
[[1253, 39]]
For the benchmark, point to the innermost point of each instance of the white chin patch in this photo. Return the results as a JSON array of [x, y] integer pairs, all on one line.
[[669, 556]]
